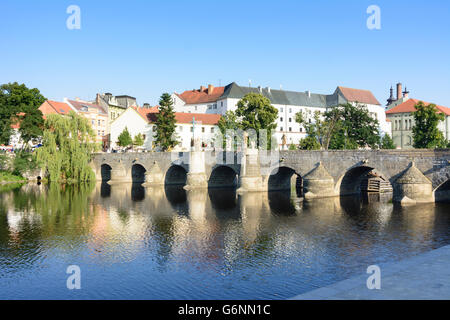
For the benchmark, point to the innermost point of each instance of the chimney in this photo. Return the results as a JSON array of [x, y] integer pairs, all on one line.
[[399, 91], [146, 105], [308, 93], [202, 88], [210, 88]]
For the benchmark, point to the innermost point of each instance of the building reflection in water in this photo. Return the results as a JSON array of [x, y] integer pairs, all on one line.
[[213, 232]]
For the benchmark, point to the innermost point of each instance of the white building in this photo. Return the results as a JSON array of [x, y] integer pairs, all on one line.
[[219, 100], [142, 120]]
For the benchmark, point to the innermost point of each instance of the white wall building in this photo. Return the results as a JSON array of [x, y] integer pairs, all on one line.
[[219, 100], [141, 120]]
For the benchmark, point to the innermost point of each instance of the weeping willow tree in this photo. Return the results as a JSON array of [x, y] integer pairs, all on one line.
[[68, 143]]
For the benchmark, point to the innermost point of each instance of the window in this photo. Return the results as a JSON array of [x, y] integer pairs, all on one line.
[[212, 130], [98, 132], [180, 128], [99, 122], [203, 129], [309, 120], [281, 128], [195, 108], [281, 119], [93, 122], [301, 129], [290, 129], [290, 119], [144, 136], [215, 105], [281, 109], [290, 110], [192, 129], [209, 106], [221, 103]]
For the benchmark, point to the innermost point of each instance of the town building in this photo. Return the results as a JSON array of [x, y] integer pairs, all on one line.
[[219, 100], [402, 119], [188, 126], [97, 116]]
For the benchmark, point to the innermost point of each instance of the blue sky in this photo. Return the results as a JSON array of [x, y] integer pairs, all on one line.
[[144, 48]]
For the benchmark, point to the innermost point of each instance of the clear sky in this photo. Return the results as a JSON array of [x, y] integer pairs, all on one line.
[[144, 48]]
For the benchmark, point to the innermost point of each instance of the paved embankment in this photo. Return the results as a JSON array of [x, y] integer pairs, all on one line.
[[426, 276]]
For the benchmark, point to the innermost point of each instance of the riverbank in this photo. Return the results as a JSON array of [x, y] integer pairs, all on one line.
[[7, 178], [423, 277]]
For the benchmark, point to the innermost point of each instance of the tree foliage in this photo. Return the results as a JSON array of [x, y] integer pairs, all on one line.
[[346, 126], [387, 142], [165, 124], [18, 104], [68, 144], [256, 112], [124, 139], [229, 125], [425, 130], [138, 140]]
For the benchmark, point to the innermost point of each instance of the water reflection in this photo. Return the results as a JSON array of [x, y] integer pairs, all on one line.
[[165, 242]]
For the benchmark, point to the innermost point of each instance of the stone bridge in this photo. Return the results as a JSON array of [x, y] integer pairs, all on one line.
[[415, 175]]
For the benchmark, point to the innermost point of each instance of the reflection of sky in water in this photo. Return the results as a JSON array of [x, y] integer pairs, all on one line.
[[158, 243]]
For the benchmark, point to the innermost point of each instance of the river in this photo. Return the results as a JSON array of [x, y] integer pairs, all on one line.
[[132, 242]]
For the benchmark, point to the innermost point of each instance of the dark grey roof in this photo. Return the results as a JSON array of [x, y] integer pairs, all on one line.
[[283, 97]]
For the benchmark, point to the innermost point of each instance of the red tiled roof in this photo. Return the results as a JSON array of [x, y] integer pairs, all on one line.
[[408, 106], [51, 106], [201, 96], [358, 95], [79, 105], [144, 111], [181, 117]]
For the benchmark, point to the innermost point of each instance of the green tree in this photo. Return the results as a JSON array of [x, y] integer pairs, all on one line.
[[387, 142], [138, 140], [426, 134], [124, 140], [229, 125], [321, 128], [18, 104], [256, 112], [68, 144], [165, 124]]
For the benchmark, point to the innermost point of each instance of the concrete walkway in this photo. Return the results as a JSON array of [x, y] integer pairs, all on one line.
[[426, 276]]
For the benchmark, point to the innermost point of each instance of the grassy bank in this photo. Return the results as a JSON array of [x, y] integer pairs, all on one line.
[[7, 177]]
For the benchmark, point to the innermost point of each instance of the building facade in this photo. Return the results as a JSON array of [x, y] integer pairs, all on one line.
[[402, 119], [97, 117], [188, 126], [219, 100]]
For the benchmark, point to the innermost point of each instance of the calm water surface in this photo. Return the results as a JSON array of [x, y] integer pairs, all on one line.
[[165, 243]]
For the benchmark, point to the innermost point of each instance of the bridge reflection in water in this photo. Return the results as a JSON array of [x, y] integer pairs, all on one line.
[[169, 243]]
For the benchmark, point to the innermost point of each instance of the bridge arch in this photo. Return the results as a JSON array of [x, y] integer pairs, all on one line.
[[176, 175], [138, 173], [285, 178], [223, 176], [105, 172], [350, 182], [442, 192]]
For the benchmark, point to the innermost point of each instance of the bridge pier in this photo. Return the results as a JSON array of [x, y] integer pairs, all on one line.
[[154, 177], [196, 177], [251, 179], [120, 175], [413, 187], [318, 183]]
